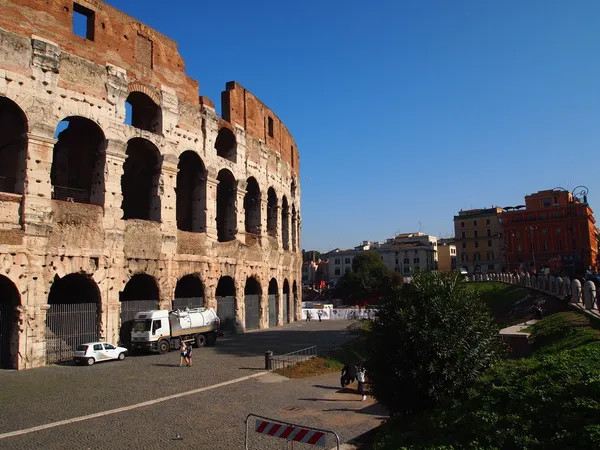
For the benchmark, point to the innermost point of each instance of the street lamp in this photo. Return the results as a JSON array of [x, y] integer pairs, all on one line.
[[506, 235], [532, 244]]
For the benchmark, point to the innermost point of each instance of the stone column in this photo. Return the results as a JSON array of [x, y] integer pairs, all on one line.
[[263, 309], [168, 214], [240, 308], [280, 318], [210, 298], [279, 227], [264, 212], [113, 171], [211, 206], [37, 187], [240, 213]]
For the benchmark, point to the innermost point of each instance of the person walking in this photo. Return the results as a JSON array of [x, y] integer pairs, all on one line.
[[360, 375], [189, 355], [183, 354]]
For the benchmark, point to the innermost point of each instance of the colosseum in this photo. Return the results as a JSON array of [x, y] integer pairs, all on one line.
[[121, 189]]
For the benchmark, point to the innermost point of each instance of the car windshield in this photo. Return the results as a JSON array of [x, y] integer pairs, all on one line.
[[142, 325], [82, 348]]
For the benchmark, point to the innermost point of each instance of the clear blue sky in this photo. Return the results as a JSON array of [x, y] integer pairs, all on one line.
[[405, 112]]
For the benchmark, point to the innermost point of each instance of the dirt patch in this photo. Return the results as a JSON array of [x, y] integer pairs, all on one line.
[[310, 368]]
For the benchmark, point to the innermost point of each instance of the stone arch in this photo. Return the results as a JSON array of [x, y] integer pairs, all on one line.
[[285, 223], [73, 316], [286, 301], [10, 299], [191, 193], [294, 301], [294, 228], [252, 293], [271, 212], [78, 159], [226, 303], [273, 302], [142, 110], [140, 180], [141, 293], [252, 207], [189, 292], [13, 146], [226, 145], [226, 200]]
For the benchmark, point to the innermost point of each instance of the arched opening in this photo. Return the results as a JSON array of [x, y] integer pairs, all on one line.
[[294, 301], [293, 189], [226, 303], [286, 301], [189, 292], [273, 303], [272, 213], [226, 214], [13, 146], [226, 145], [252, 205], [252, 292], [77, 172], [139, 183], [285, 224], [72, 317], [143, 113], [191, 193], [294, 229], [141, 293], [9, 330]]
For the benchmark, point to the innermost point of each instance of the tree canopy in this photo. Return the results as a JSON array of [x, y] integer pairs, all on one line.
[[369, 278]]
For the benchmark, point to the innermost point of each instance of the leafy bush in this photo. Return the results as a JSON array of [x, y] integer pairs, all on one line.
[[432, 339]]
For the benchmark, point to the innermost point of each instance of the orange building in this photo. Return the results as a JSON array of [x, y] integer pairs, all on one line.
[[554, 229]]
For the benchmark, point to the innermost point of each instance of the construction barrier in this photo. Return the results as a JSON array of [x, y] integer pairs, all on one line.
[[289, 431]]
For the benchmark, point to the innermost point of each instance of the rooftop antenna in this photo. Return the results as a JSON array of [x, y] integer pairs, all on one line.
[[420, 226]]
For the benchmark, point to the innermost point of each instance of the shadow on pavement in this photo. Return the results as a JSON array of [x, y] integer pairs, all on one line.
[[374, 409], [333, 388]]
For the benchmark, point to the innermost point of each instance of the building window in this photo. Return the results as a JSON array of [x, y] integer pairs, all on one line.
[[416, 260], [530, 217], [546, 203], [490, 256], [270, 126], [477, 256], [490, 267], [346, 270], [543, 216], [462, 224], [545, 245], [406, 261], [337, 271], [337, 260], [474, 223], [489, 243], [464, 245], [475, 234], [347, 260], [518, 234], [476, 244], [83, 22], [558, 245], [545, 231], [518, 247], [556, 214], [396, 260], [463, 234], [558, 230], [489, 232], [487, 221], [406, 269]]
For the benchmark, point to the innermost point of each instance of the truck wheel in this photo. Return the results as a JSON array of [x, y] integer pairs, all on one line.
[[211, 339], [200, 340], [163, 347]]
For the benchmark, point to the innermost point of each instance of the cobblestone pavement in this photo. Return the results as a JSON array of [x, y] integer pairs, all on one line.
[[41, 396]]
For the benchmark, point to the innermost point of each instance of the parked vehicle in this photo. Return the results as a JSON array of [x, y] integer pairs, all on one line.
[[94, 352], [160, 330]]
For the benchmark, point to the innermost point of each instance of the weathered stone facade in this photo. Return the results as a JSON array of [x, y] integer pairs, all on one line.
[[155, 191]]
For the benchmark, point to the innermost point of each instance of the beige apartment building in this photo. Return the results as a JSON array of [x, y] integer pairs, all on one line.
[[479, 240], [446, 255]]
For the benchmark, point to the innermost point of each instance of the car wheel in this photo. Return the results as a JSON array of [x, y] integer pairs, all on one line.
[[163, 347], [200, 340], [121, 356], [90, 361]]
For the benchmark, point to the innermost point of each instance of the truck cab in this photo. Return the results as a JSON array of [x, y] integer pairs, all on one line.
[[149, 327]]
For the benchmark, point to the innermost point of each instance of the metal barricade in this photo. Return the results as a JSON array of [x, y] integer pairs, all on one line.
[[291, 432]]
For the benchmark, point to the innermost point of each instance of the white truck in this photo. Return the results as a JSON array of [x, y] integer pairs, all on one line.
[[161, 330]]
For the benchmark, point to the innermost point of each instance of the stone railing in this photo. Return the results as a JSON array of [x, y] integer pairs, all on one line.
[[565, 288]]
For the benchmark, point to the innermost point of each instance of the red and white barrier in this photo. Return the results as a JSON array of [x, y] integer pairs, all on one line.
[[291, 432]]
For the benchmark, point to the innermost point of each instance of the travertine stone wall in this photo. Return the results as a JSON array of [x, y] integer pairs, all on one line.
[[52, 74]]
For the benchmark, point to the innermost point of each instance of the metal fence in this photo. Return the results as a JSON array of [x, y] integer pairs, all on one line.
[[273, 310], [71, 194], [7, 184], [286, 297], [284, 363], [67, 326], [7, 322], [188, 302], [226, 312], [129, 308], [251, 303]]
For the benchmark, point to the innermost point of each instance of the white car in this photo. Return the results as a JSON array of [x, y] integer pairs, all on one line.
[[98, 351]]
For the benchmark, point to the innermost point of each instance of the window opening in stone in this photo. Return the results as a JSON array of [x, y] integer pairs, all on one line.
[[189, 292], [13, 147], [143, 113], [270, 126], [292, 156], [252, 293], [141, 293], [78, 159], [226, 211], [144, 49], [140, 180], [273, 302], [252, 205], [286, 301], [294, 301], [294, 228], [226, 303], [271, 212], [83, 21], [10, 299], [293, 189], [191, 193], [226, 145], [285, 224], [73, 316]]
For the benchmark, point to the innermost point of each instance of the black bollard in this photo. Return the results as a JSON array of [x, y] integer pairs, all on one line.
[[268, 360]]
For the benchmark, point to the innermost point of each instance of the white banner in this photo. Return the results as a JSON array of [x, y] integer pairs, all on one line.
[[339, 314]]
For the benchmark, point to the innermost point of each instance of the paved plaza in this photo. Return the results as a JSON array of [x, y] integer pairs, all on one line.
[[205, 411]]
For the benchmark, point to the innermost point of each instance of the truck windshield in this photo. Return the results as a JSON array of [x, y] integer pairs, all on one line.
[[141, 325]]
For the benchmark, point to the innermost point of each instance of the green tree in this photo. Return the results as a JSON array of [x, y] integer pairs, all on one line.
[[369, 278], [432, 339], [311, 255]]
